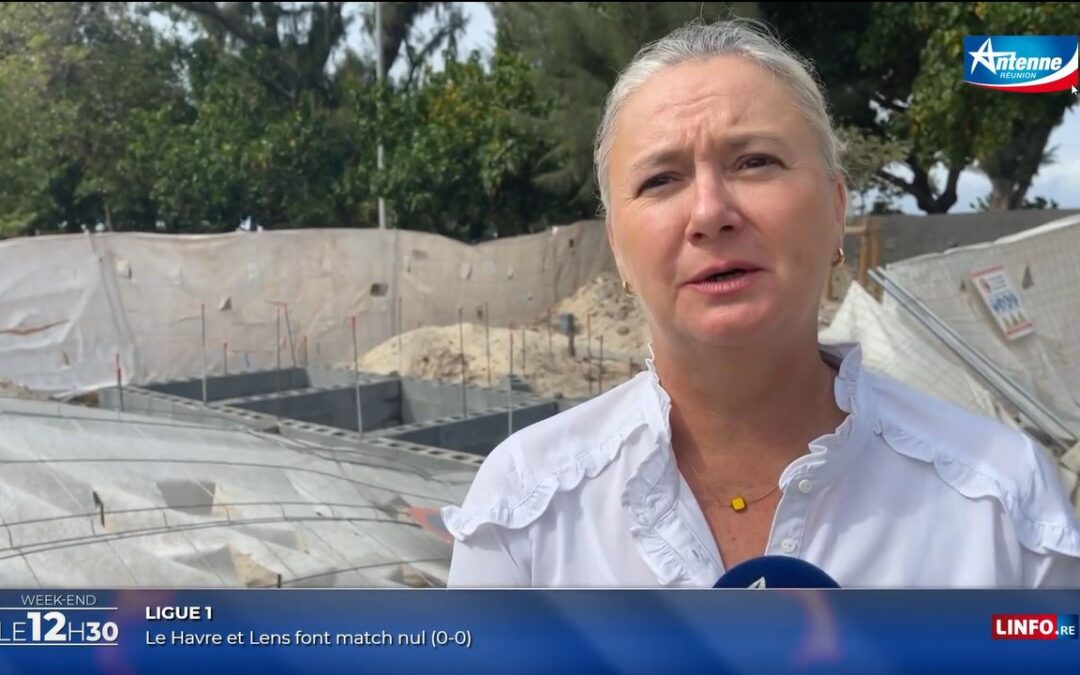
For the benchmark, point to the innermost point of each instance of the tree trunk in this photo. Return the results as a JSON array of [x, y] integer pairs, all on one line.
[[921, 188], [1013, 165], [1003, 194]]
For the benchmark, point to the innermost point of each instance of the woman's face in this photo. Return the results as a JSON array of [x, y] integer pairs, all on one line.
[[722, 215]]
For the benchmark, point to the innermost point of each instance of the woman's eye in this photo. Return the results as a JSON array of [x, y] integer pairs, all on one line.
[[757, 162], [656, 181]]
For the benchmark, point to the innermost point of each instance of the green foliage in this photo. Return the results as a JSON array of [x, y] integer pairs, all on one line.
[[576, 51], [106, 121], [1036, 203], [893, 70], [72, 76], [864, 155], [459, 161], [240, 151]]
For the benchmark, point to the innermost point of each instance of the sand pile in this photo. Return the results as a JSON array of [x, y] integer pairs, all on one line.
[[600, 308], [616, 316], [548, 368]]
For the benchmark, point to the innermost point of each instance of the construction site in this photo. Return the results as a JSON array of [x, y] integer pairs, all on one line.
[[293, 408]]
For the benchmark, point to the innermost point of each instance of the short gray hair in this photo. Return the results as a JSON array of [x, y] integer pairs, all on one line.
[[747, 38]]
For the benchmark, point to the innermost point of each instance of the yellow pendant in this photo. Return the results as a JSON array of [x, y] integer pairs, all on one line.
[[738, 503]]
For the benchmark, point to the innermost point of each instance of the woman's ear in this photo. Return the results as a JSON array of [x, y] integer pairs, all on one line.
[[619, 266], [841, 207]]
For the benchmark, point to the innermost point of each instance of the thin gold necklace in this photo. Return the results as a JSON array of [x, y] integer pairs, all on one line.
[[738, 503]]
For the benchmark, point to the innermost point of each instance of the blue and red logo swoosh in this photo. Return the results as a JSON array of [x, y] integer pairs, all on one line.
[[1029, 64]]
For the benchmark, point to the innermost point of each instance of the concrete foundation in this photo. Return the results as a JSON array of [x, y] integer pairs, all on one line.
[[476, 434], [319, 405]]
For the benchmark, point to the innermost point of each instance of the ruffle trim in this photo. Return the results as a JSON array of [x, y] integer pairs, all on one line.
[[1034, 534], [515, 512]]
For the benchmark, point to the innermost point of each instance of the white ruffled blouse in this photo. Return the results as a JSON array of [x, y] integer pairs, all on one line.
[[908, 492]]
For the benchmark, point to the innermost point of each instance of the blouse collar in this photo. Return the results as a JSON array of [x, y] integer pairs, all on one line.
[[652, 491]]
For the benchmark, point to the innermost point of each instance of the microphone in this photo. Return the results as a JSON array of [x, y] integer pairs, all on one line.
[[775, 571]]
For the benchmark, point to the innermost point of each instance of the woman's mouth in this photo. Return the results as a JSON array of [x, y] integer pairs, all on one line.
[[722, 276], [727, 281]]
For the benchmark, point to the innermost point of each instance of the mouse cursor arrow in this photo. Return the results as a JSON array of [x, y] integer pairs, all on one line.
[[1074, 89]]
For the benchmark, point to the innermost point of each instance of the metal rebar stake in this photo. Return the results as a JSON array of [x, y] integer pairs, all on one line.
[[551, 346], [461, 348], [600, 381], [119, 382], [510, 391], [356, 378], [202, 314], [487, 341], [288, 332]]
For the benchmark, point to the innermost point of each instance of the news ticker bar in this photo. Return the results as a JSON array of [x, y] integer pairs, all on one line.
[[329, 631]]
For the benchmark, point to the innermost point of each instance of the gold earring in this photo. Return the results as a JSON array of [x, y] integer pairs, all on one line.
[[839, 258], [626, 289]]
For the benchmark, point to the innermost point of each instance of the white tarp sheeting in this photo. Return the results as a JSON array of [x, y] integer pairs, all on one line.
[[192, 506], [70, 305], [1044, 268]]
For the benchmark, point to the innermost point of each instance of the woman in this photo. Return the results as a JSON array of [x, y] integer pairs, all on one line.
[[725, 203]]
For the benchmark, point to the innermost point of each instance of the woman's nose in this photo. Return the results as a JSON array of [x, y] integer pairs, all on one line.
[[714, 209]]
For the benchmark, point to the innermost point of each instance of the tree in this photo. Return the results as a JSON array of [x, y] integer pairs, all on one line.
[[1017, 128], [238, 150], [398, 22], [290, 46], [72, 78], [287, 45], [459, 162], [576, 51], [893, 71], [863, 157]]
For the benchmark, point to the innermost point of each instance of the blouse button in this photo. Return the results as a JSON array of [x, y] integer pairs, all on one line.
[[788, 545], [804, 486]]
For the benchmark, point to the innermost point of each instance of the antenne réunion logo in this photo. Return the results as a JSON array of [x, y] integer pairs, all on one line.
[[1029, 64]]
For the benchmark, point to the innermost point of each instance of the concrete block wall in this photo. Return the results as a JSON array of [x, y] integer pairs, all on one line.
[[400, 417], [220, 387], [380, 405], [476, 434], [182, 410], [424, 400], [343, 442]]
